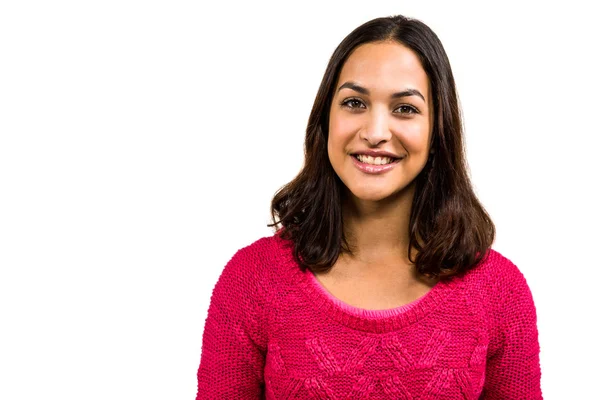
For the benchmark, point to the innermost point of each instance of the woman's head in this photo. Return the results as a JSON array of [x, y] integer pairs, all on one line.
[[380, 121], [448, 226]]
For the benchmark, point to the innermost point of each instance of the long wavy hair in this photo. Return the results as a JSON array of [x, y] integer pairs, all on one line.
[[449, 228]]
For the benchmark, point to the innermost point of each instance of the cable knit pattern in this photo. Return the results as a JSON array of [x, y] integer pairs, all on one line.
[[273, 332]]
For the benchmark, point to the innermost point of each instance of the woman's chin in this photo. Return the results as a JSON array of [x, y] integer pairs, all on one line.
[[379, 194], [372, 195]]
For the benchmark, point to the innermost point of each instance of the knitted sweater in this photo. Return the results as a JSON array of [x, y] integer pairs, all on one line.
[[273, 332]]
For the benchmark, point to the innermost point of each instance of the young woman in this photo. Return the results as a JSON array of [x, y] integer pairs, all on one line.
[[380, 282]]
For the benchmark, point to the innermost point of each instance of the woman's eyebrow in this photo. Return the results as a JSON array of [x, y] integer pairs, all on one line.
[[360, 89]]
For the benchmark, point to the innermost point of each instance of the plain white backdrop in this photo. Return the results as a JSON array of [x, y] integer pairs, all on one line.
[[141, 143]]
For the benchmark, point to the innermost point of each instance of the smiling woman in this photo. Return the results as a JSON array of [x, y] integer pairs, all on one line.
[[380, 281], [374, 129]]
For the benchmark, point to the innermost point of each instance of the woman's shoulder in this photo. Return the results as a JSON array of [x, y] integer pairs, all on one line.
[[499, 280], [256, 249], [245, 273], [259, 256], [496, 267]]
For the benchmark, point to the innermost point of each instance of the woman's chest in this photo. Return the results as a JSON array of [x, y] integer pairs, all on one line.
[[423, 361], [373, 294]]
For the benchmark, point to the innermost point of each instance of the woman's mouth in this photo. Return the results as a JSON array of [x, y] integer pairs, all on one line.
[[374, 165], [374, 160]]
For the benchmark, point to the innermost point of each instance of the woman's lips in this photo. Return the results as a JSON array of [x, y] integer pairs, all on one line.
[[374, 169]]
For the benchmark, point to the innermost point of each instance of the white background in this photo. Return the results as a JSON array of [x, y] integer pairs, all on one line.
[[141, 144]]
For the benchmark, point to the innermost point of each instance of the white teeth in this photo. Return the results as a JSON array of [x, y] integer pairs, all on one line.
[[374, 160]]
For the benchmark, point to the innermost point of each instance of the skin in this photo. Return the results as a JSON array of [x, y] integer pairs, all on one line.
[[377, 207]]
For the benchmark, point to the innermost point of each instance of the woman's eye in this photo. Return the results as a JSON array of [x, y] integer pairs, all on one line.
[[352, 103], [406, 109]]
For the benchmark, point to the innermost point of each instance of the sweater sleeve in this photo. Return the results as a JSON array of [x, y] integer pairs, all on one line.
[[513, 367], [233, 343]]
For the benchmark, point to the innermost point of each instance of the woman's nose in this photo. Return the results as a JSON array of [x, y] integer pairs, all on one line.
[[376, 129]]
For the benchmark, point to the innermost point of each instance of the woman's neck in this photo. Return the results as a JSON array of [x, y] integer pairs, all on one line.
[[378, 230]]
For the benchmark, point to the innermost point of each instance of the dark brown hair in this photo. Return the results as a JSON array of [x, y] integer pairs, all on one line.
[[449, 228]]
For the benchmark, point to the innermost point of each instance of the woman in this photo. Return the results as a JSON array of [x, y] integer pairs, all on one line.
[[380, 282]]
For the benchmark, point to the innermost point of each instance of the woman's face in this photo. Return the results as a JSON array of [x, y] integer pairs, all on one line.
[[381, 103]]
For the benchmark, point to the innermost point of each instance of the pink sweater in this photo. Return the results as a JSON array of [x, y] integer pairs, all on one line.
[[273, 332]]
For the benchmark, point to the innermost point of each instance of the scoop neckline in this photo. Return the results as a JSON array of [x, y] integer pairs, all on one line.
[[375, 321], [363, 312]]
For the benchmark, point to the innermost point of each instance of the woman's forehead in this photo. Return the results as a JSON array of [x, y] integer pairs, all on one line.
[[384, 67]]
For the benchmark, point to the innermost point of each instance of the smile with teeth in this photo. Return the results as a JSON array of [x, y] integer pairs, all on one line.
[[374, 160]]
